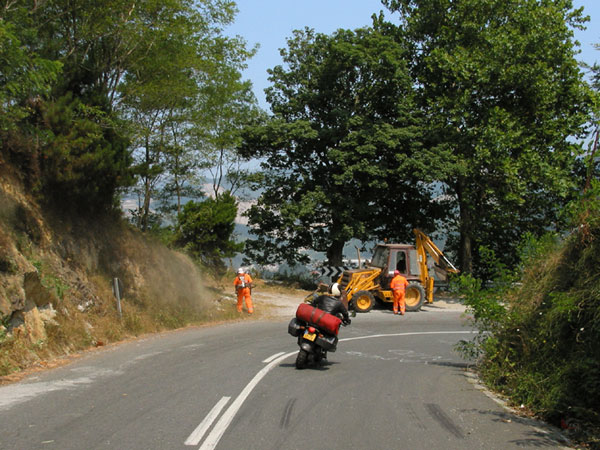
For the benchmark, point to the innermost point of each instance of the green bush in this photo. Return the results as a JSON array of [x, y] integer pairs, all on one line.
[[206, 230], [540, 327]]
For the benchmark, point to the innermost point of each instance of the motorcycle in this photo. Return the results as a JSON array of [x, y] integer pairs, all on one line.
[[316, 331]]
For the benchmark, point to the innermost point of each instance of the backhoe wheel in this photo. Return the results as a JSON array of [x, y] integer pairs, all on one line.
[[414, 297], [301, 359], [363, 301]]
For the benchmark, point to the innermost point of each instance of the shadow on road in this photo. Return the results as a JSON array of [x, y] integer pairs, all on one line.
[[313, 366]]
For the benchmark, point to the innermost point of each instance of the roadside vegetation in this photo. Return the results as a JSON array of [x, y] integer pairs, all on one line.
[[72, 328], [73, 307], [540, 325]]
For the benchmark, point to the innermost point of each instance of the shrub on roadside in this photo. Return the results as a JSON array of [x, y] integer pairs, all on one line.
[[540, 327]]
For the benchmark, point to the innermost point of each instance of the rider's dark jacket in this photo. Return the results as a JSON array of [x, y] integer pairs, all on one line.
[[330, 304]]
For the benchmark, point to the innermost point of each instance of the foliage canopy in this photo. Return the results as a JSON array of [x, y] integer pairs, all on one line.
[[97, 93], [503, 93], [342, 147]]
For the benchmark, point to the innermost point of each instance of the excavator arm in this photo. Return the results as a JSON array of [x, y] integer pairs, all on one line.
[[428, 247], [425, 246]]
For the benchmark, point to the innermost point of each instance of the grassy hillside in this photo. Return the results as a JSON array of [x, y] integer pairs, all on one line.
[[541, 350], [55, 283]]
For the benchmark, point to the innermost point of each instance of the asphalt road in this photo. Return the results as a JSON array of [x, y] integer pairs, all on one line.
[[394, 383]]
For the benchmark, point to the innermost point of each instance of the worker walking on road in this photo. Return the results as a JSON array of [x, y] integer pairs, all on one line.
[[398, 286], [243, 288]]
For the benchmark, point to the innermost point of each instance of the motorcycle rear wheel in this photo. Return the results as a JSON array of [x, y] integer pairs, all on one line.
[[301, 359]]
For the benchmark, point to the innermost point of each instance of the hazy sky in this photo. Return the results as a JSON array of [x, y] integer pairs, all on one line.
[[269, 22]]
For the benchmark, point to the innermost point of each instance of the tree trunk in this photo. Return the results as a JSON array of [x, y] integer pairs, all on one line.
[[146, 205], [465, 259], [178, 185], [466, 251], [335, 253]]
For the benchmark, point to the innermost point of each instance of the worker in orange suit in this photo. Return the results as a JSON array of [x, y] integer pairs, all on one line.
[[398, 286], [243, 288]]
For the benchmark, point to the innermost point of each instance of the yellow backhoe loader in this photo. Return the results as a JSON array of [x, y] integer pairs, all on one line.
[[366, 286]]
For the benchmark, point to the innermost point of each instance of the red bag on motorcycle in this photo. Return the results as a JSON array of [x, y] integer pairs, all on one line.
[[319, 318]]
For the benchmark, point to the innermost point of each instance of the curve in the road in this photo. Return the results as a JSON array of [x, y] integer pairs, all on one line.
[[221, 426]]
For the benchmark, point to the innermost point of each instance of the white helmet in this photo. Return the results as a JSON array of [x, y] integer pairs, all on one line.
[[240, 270], [334, 290]]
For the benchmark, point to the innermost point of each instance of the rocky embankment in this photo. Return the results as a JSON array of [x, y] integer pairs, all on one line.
[[56, 274]]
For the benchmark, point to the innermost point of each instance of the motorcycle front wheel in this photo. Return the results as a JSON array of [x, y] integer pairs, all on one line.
[[301, 359]]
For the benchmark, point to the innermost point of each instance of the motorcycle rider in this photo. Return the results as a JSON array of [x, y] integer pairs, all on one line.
[[333, 303]]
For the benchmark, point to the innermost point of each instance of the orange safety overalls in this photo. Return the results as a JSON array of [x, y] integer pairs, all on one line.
[[242, 285], [398, 286]]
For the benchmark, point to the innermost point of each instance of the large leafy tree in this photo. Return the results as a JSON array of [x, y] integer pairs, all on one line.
[[342, 156], [502, 92], [83, 158]]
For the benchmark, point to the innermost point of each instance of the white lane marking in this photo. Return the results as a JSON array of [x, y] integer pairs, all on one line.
[[217, 433], [198, 433], [271, 358], [407, 334]]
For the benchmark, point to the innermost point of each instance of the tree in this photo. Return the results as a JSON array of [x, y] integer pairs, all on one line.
[[156, 103], [168, 95], [342, 139], [229, 105], [206, 230], [145, 62], [83, 159], [502, 93], [182, 179], [593, 163]]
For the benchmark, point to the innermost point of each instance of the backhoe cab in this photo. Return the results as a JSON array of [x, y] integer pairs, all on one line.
[[365, 286]]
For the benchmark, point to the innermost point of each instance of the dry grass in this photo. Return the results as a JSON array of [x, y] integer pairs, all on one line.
[[77, 331], [76, 258]]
